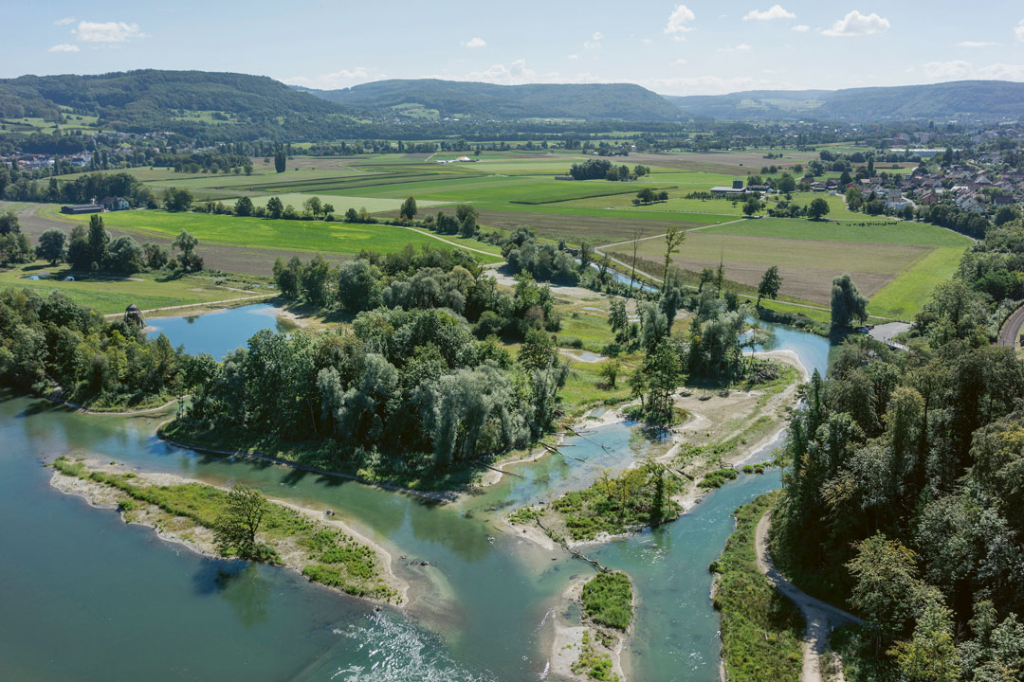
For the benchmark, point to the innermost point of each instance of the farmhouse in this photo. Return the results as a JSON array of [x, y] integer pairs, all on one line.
[[115, 204], [737, 188]]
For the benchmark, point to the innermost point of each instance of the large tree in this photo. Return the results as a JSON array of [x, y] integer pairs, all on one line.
[[771, 281], [847, 302], [51, 246], [237, 527], [673, 238], [817, 209], [280, 161], [408, 210]]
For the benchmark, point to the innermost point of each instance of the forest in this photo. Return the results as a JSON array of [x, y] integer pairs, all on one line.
[[904, 499]]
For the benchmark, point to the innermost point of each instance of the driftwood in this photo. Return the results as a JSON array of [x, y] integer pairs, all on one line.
[[502, 471], [575, 552]]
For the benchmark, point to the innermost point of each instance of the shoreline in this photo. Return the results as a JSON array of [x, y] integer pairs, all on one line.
[[567, 638], [199, 538]]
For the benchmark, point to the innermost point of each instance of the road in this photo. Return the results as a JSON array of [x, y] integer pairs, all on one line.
[[1010, 332], [821, 618]]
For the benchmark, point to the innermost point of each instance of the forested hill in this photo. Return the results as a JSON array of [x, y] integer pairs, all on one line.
[[147, 100], [977, 100], [457, 98]]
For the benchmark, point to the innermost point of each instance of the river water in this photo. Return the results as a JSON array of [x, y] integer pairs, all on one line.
[[84, 597]]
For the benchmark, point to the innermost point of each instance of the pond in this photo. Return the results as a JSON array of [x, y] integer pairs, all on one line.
[[482, 606], [219, 332]]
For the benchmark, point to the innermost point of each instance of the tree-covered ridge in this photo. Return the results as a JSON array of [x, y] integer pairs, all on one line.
[[624, 101], [905, 497], [981, 100]]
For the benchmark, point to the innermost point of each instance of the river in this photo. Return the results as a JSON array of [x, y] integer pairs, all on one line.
[[86, 597]]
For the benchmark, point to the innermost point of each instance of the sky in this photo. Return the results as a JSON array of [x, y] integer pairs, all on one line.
[[702, 47]]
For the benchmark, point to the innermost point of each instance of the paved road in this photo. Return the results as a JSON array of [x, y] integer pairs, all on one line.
[[1010, 332], [822, 618]]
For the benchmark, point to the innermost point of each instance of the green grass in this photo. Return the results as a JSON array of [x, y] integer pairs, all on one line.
[[904, 297], [336, 559], [903, 233], [593, 664], [271, 235], [608, 600], [342, 203], [113, 295], [762, 631]]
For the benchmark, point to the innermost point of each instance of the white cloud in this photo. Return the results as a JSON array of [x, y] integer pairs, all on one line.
[[680, 62], [595, 41], [474, 43], [342, 78], [963, 70], [742, 47], [106, 32], [678, 20], [573, 56], [64, 22], [646, 41], [1019, 31], [63, 47], [775, 12], [801, 28], [514, 74], [975, 43], [857, 24]]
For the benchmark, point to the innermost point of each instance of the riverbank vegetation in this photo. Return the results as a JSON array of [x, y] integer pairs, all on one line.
[[903, 500], [762, 631], [638, 498], [607, 599], [241, 523]]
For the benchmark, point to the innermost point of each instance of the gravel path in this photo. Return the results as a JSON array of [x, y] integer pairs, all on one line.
[[821, 618]]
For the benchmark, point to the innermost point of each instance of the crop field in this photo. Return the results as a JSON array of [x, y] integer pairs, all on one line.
[[895, 265], [342, 204], [271, 235]]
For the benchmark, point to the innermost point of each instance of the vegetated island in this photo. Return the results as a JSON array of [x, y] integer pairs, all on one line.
[[720, 431], [238, 523], [592, 649]]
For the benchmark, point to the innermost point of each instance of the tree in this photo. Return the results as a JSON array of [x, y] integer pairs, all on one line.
[[98, 240], [124, 256], [316, 281], [817, 209], [280, 161], [887, 589], [786, 184], [931, 654], [638, 234], [312, 206], [847, 302], [188, 260], [9, 223], [51, 246], [244, 207], [287, 276], [610, 372], [237, 527], [408, 210], [179, 199], [359, 285], [79, 251], [673, 238], [538, 350], [752, 206], [465, 211], [771, 281], [586, 254], [618, 319], [275, 208], [154, 256]]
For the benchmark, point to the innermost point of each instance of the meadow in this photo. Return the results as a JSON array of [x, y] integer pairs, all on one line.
[[272, 235]]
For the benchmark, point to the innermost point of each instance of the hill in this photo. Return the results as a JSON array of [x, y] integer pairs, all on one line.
[[977, 100], [443, 98], [146, 100]]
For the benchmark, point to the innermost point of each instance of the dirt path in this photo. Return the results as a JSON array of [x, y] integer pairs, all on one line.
[[455, 244], [257, 297], [821, 618]]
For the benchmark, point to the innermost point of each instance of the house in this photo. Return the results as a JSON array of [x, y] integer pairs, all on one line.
[[1002, 200], [115, 204], [728, 190], [81, 209], [818, 187]]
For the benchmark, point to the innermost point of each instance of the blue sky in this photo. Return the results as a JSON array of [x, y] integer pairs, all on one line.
[[699, 47]]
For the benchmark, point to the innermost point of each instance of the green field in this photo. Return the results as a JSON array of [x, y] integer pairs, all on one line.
[[113, 295], [272, 235]]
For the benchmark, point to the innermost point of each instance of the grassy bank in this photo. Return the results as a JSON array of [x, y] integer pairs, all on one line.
[[762, 632], [190, 511]]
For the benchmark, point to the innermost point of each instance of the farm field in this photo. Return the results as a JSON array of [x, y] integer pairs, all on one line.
[[894, 265], [271, 235], [113, 294]]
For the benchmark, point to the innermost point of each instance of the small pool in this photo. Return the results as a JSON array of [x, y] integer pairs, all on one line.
[[217, 333]]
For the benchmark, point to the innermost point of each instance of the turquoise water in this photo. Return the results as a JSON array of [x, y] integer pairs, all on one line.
[[217, 333], [86, 597]]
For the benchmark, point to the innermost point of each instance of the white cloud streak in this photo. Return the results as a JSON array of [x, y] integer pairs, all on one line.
[[775, 12], [474, 43], [857, 24], [679, 19], [64, 47], [107, 32]]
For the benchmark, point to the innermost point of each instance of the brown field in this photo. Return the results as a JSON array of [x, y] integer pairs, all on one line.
[[574, 228], [807, 267], [727, 163]]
